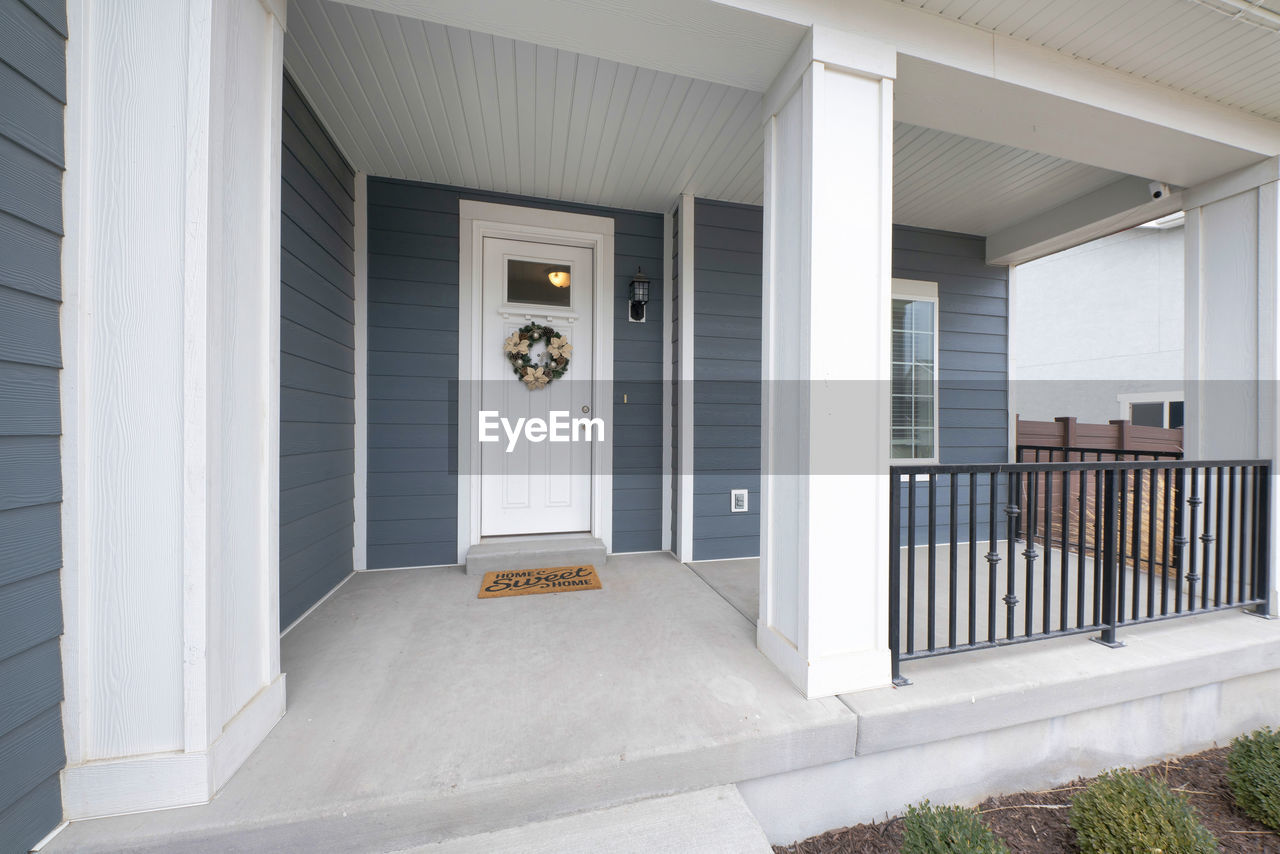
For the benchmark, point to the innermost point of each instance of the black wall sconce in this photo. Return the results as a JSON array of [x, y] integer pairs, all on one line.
[[639, 296]]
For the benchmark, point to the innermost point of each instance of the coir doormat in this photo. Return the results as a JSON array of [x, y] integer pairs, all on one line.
[[552, 579]]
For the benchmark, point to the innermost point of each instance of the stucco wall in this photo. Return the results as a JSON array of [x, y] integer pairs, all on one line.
[[1097, 321]]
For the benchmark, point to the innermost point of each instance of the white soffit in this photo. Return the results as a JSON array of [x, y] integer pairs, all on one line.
[[955, 183], [407, 98], [1206, 48], [979, 106], [692, 38]]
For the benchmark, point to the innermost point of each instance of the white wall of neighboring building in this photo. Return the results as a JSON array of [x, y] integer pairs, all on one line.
[[1098, 321]]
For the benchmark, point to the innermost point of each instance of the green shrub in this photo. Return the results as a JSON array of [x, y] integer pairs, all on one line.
[[1253, 770], [1122, 812], [947, 830]]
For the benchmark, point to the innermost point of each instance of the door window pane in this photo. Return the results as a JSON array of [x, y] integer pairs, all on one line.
[[538, 283]]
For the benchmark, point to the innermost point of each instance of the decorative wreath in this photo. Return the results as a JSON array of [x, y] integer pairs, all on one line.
[[555, 360]]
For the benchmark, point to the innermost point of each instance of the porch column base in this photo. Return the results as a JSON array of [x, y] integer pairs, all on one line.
[[166, 780], [171, 463], [840, 673]]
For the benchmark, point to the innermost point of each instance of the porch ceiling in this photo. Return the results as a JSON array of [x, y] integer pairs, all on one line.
[[956, 183], [407, 98], [414, 99], [1226, 51]]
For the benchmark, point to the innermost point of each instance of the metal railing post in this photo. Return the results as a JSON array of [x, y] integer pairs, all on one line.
[[1110, 561], [1262, 571], [895, 574]]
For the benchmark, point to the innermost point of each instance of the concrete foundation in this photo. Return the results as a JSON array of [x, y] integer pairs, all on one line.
[[1034, 716]]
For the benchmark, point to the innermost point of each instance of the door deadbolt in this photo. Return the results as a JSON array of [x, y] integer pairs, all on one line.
[[586, 409]]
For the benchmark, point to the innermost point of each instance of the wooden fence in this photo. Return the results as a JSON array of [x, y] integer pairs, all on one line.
[[1143, 495]]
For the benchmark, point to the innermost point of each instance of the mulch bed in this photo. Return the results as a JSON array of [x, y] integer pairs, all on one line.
[[1036, 822]]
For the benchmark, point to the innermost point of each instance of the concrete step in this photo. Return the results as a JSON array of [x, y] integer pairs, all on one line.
[[710, 821], [535, 553]]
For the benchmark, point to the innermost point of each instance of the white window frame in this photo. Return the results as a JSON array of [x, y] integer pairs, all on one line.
[[1166, 397], [919, 291]]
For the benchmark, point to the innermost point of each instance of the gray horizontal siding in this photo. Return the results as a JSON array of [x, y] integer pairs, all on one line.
[[32, 77], [413, 369], [413, 298], [973, 320], [973, 345], [726, 395], [317, 361], [972, 368]]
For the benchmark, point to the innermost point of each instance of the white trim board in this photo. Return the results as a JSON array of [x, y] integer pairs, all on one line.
[[428, 566], [175, 779], [476, 221], [684, 545], [360, 529], [1011, 368], [667, 349]]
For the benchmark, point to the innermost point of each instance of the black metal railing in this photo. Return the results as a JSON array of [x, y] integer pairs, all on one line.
[[1094, 546]]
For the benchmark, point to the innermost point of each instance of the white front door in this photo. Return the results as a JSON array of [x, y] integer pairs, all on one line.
[[527, 486]]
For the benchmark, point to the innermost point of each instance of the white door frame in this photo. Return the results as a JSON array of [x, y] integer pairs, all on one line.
[[476, 221]]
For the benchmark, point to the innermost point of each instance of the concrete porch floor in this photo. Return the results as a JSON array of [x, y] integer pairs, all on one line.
[[417, 712]]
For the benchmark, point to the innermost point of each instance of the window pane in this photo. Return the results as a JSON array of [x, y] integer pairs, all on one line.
[[924, 412], [923, 348], [538, 283], [1175, 413], [903, 447], [924, 444], [1147, 414], [922, 315], [924, 381], [899, 314], [901, 346], [914, 336]]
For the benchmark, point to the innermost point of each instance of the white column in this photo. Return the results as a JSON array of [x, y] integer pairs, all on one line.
[[827, 259], [170, 396], [1232, 351]]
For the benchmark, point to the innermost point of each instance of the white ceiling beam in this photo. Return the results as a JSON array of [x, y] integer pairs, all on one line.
[[920, 34], [1123, 204], [960, 102], [693, 38]]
